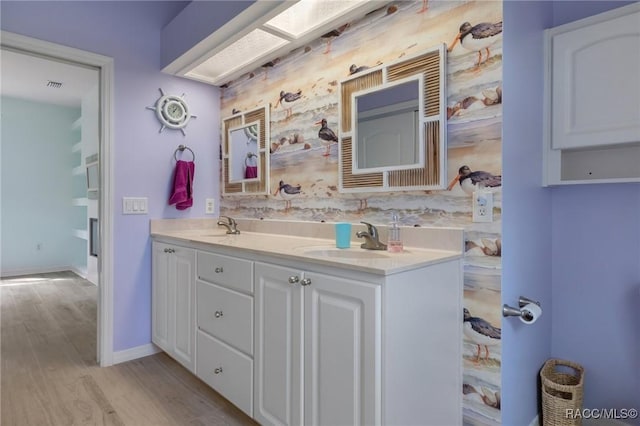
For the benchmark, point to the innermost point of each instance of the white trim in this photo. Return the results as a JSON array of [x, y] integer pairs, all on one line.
[[535, 421], [135, 353], [105, 265], [41, 270]]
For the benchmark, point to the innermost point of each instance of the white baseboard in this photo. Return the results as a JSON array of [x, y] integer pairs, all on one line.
[[535, 421], [30, 271], [135, 353]]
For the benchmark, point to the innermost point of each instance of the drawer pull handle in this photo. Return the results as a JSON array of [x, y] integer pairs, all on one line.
[[218, 270], [217, 314], [294, 279], [306, 281], [217, 370], [169, 250]]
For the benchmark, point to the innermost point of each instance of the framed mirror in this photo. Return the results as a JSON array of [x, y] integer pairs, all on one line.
[[243, 153], [388, 131], [377, 160]]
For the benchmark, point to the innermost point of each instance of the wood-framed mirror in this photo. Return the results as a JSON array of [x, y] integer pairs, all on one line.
[[245, 155], [421, 163]]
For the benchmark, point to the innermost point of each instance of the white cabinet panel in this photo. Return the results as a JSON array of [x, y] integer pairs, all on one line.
[[173, 301], [227, 370], [596, 84], [278, 346], [226, 314], [342, 351], [231, 272]]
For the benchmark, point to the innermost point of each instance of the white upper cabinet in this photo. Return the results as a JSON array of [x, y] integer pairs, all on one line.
[[593, 99]]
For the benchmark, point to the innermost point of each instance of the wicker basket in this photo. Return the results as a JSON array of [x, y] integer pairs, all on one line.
[[562, 388]]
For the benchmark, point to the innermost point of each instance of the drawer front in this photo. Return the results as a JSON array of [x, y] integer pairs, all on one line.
[[227, 271], [226, 314], [226, 370]]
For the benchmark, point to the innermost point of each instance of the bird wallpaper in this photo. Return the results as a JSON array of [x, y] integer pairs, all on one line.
[[302, 88]]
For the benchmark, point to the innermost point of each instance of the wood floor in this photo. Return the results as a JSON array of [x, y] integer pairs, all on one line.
[[49, 375]]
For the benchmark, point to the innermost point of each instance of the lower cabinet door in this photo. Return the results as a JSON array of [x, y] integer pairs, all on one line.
[[342, 351], [226, 370], [278, 345]]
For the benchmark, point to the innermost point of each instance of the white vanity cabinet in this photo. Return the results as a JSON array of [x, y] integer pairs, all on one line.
[[225, 326], [173, 301], [592, 106], [358, 348], [295, 339]]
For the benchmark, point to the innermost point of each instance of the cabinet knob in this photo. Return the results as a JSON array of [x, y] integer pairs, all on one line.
[[217, 370], [217, 314], [218, 270], [306, 281], [294, 279]]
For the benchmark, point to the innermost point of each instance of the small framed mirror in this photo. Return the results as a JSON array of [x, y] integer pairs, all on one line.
[[388, 133], [243, 153]]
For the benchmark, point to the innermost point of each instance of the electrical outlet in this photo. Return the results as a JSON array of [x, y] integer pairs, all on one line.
[[483, 206], [209, 206]]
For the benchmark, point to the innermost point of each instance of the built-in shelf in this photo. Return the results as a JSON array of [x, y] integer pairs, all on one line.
[[83, 201], [81, 233], [76, 124], [78, 171], [77, 147]]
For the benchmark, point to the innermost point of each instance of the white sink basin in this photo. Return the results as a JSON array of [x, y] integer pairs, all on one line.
[[345, 253]]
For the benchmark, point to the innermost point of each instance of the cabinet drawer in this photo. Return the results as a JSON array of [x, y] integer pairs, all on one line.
[[227, 271], [226, 314], [226, 370]]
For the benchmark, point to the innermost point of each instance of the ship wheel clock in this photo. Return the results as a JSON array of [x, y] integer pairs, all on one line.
[[172, 111]]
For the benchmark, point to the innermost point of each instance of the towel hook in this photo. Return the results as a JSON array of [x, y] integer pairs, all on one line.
[[181, 148]]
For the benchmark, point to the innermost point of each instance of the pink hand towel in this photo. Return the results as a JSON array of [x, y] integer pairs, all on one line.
[[182, 194]]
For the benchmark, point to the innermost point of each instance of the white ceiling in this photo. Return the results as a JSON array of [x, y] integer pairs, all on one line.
[[26, 77]]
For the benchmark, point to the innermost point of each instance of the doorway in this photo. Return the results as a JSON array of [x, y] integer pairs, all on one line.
[[97, 202]]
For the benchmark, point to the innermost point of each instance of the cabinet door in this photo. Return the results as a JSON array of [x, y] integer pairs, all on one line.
[[342, 351], [160, 277], [173, 301], [278, 346], [595, 83], [183, 305]]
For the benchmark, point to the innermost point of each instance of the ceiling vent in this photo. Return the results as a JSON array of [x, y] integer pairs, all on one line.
[[54, 84]]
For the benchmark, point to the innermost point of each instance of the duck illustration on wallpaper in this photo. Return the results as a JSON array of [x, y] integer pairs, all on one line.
[[287, 193], [288, 97], [478, 38], [472, 181]]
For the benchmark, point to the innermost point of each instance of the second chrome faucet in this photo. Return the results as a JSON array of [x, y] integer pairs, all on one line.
[[371, 238]]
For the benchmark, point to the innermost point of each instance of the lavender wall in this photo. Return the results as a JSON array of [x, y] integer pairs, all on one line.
[[596, 274], [143, 159], [526, 208]]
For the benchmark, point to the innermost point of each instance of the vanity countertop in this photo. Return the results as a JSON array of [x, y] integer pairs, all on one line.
[[319, 251]]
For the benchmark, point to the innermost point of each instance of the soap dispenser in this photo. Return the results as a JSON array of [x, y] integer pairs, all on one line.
[[394, 245]]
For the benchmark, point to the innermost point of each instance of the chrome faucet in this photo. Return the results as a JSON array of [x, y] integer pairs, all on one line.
[[231, 225], [371, 239]]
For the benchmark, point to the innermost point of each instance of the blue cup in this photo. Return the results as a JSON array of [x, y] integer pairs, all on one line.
[[343, 235]]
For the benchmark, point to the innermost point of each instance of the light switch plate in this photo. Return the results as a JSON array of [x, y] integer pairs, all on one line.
[[134, 205], [210, 205]]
